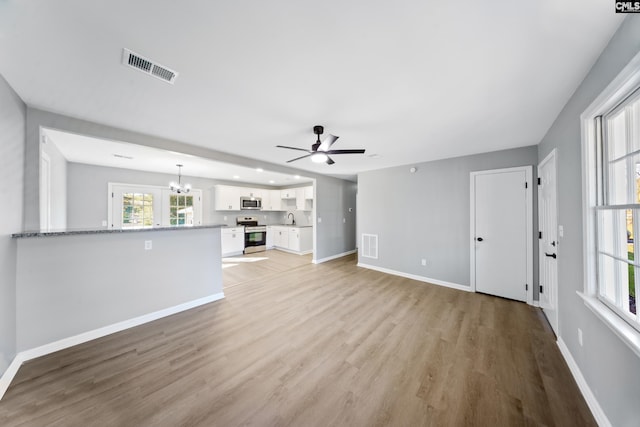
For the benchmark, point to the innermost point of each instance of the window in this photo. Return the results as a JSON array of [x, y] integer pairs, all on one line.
[[610, 129], [180, 210], [137, 210], [617, 211], [132, 206]]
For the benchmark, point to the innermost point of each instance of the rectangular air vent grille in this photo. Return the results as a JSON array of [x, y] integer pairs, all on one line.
[[369, 247], [163, 73], [147, 66]]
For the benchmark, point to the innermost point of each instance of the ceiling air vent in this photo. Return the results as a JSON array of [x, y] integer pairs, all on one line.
[[147, 66]]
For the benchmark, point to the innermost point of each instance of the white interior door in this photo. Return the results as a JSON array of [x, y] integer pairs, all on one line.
[[501, 233], [548, 242]]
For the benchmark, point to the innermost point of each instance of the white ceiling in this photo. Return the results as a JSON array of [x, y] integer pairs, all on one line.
[[407, 80], [117, 154]]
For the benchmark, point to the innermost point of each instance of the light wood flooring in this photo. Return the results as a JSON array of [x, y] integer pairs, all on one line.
[[311, 345]]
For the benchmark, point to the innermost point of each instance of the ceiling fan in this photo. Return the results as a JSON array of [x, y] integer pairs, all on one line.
[[320, 150]]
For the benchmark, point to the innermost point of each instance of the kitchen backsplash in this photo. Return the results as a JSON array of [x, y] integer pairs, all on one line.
[[303, 218]]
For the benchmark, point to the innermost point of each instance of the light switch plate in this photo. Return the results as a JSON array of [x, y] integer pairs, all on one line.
[[148, 245], [561, 231]]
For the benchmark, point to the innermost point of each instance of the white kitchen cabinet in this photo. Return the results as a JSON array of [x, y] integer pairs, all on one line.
[[288, 193], [271, 200], [266, 200], [300, 201], [308, 192], [281, 237], [270, 237], [301, 239], [232, 241], [293, 239], [251, 192], [276, 201], [227, 198]]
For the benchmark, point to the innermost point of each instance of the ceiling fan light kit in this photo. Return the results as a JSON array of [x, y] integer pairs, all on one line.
[[320, 150], [319, 157]]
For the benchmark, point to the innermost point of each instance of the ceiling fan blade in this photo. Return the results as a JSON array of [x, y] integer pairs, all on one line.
[[298, 158], [328, 142], [358, 151], [293, 148], [330, 160]]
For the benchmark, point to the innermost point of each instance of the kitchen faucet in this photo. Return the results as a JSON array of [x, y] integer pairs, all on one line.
[[293, 221]]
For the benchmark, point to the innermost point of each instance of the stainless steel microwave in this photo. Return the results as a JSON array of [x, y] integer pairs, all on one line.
[[250, 203]]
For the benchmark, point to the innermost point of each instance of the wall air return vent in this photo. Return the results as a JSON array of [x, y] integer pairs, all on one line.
[[369, 247], [147, 66]]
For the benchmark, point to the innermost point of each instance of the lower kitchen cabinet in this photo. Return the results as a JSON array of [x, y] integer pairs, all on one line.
[[232, 241], [281, 237], [293, 239], [270, 237]]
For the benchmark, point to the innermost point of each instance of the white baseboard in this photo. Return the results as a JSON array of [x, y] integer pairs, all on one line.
[[329, 258], [12, 370], [26, 355], [416, 277], [289, 251], [588, 395]]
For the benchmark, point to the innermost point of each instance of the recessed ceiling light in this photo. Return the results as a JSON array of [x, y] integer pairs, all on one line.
[[259, 170], [272, 181], [236, 177], [122, 156], [373, 156], [297, 176]]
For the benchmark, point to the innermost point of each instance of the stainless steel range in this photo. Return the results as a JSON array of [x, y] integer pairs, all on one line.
[[255, 236]]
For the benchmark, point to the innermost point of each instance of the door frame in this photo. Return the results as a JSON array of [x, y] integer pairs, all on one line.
[[45, 191], [528, 170], [552, 155]]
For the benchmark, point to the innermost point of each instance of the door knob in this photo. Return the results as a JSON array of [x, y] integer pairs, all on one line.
[[479, 239], [554, 256]]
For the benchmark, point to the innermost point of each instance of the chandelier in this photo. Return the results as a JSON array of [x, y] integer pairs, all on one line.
[[178, 188]]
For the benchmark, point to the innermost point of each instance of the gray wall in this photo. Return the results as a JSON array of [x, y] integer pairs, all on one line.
[[337, 229], [330, 191], [67, 285], [87, 195], [426, 214], [610, 368], [12, 157]]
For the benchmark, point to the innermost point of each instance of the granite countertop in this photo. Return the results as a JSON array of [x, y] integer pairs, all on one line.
[[289, 225], [107, 231]]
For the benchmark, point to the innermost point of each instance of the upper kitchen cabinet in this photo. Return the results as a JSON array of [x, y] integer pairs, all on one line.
[[299, 198], [252, 192], [271, 200], [300, 201], [227, 198], [304, 198], [288, 193]]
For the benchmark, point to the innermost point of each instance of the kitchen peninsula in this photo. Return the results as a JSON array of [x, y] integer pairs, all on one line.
[[73, 286]]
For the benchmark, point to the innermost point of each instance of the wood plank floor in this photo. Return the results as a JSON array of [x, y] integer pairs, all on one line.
[[311, 345]]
